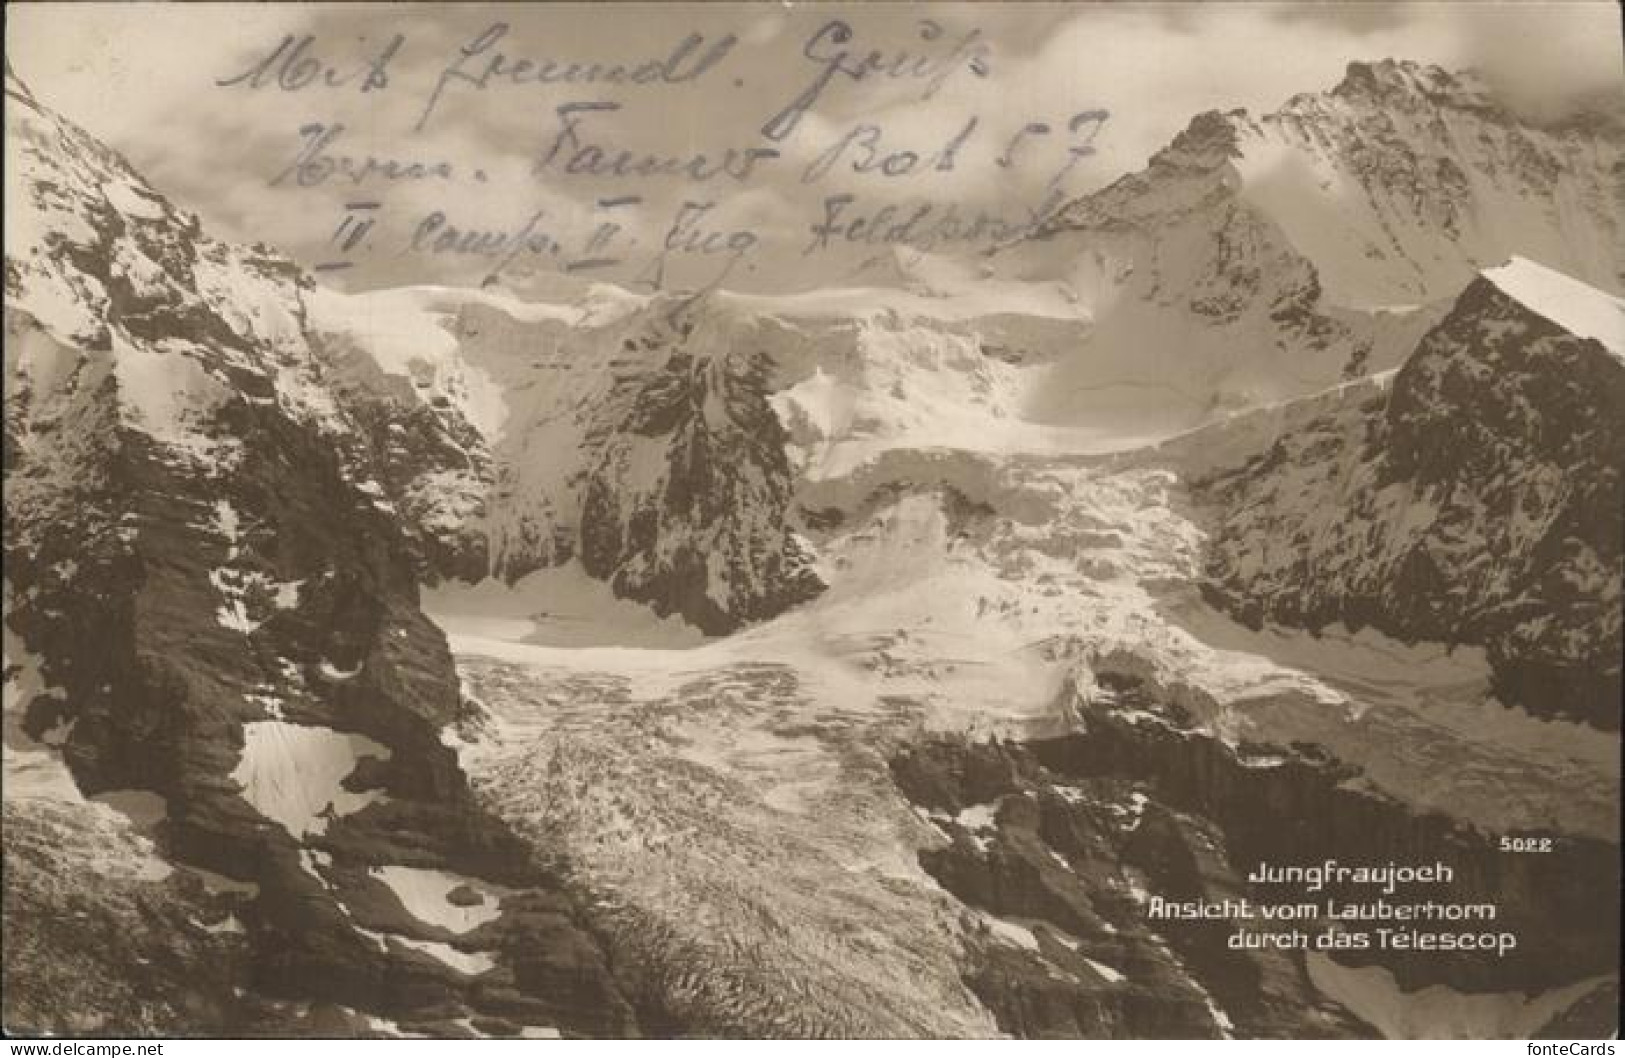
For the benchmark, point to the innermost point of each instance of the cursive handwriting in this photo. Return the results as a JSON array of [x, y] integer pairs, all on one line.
[[292, 65], [615, 200], [864, 152], [826, 50], [847, 220], [316, 163], [479, 65], [570, 154]]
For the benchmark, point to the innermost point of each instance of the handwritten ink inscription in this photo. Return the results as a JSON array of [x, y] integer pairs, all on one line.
[[595, 179]]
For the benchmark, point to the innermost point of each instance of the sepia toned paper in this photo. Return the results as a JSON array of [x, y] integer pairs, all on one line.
[[781, 520]]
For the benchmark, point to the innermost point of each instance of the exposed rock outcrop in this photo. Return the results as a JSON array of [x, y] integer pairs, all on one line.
[[198, 551], [1476, 500]]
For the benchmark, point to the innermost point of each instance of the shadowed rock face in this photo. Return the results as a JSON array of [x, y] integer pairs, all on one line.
[[1477, 501], [642, 444], [1087, 827], [1070, 858], [1311, 806], [157, 690], [194, 544], [101, 940], [685, 501], [1519, 426], [213, 521]]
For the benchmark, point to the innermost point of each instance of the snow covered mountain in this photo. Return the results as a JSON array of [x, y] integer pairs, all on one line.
[[216, 621], [1474, 499], [433, 661], [613, 432], [1263, 257]]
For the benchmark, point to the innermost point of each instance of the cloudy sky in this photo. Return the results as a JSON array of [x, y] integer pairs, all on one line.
[[977, 110]]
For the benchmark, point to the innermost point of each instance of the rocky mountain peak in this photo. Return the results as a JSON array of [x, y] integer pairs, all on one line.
[[1489, 461], [199, 552], [1323, 227], [1408, 85], [1210, 139]]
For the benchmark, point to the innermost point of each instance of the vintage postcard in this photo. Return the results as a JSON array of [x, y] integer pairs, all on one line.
[[813, 520]]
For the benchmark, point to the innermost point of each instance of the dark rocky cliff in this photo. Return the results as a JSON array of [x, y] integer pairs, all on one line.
[[196, 550], [1476, 501]]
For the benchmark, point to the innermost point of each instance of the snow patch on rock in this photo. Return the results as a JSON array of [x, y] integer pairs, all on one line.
[[424, 893], [1439, 1012], [294, 774]]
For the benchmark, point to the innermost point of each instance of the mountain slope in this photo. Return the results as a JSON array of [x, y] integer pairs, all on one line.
[[197, 555], [1476, 500], [1264, 257], [621, 431], [972, 713]]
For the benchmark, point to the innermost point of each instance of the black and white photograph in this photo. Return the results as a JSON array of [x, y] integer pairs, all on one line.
[[813, 521]]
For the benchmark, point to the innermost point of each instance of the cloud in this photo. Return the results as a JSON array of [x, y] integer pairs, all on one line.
[[1358, 19], [141, 77], [1545, 60]]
